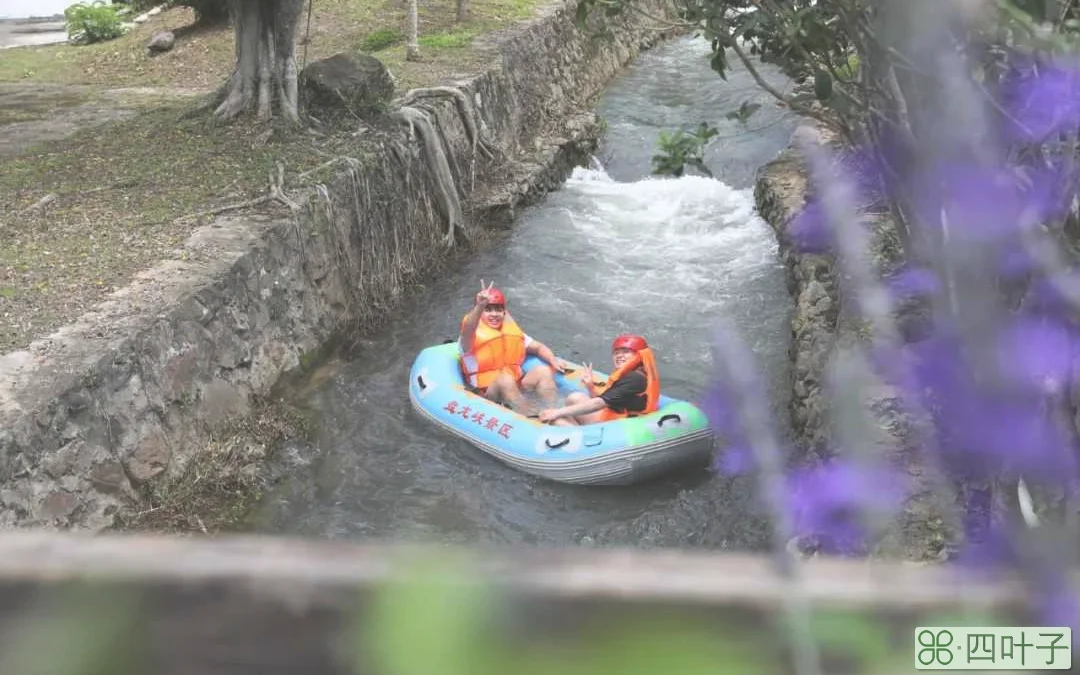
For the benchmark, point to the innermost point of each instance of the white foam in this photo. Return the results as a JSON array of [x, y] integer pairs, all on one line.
[[660, 256]]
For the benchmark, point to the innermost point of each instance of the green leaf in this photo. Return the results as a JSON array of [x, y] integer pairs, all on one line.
[[719, 63], [823, 89]]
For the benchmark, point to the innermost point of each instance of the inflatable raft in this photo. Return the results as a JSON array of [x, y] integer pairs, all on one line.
[[618, 452]]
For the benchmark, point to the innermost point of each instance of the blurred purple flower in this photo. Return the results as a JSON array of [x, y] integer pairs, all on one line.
[[987, 422], [809, 229], [719, 407], [1014, 262], [734, 460], [1035, 354], [913, 282], [1047, 295], [985, 204], [992, 553], [828, 500], [861, 169], [1042, 101]]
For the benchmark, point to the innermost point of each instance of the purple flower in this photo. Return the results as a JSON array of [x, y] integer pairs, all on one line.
[[827, 500], [1048, 296], [913, 282], [734, 461], [988, 421], [1014, 262], [994, 552], [719, 408], [1035, 354], [1042, 103], [809, 229], [861, 169], [982, 204]]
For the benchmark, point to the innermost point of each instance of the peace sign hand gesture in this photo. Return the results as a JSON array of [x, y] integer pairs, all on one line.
[[587, 376], [483, 297]]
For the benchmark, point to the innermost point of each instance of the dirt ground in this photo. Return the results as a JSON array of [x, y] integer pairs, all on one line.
[[101, 168]]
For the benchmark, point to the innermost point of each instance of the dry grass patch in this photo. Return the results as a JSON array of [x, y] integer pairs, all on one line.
[[223, 480]]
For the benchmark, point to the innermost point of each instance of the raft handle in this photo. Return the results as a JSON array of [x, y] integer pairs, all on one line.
[[420, 381], [561, 443], [665, 418]]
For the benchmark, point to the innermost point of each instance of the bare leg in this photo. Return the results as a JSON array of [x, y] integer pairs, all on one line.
[[571, 399], [588, 418], [542, 380], [505, 390]]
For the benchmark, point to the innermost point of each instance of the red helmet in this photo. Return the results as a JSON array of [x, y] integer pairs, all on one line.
[[635, 342], [496, 297]]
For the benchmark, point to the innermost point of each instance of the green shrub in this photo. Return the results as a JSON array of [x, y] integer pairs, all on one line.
[[94, 22]]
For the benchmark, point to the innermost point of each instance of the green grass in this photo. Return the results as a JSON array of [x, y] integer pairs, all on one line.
[[381, 39], [455, 40]]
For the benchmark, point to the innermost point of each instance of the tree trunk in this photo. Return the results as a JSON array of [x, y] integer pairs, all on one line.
[[462, 10], [412, 44], [265, 59]]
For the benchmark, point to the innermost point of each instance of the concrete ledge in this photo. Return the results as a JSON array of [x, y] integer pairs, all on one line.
[[239, 606], [310, 567]]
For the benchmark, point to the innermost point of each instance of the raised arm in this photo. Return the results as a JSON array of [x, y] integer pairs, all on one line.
[[468, 326]]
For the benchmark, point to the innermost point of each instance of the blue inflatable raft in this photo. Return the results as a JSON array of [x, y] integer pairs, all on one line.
[[619, 452]]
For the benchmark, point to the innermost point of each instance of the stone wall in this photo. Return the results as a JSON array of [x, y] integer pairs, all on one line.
[[822, 322], [123, 397]]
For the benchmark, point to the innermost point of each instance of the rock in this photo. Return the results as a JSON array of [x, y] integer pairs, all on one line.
[[150, 459], [358, 83], [162, 41], [58, 505]]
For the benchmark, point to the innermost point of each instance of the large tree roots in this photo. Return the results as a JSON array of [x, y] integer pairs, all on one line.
[[265, 60], [421, 124]]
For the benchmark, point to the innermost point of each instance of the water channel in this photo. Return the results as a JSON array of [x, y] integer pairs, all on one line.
[[614, 250]]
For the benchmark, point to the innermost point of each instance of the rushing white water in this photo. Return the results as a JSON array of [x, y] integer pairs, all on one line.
[[659, 256], [614, 250]]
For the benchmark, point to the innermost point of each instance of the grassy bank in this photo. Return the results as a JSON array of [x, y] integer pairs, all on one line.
[[108, 196]]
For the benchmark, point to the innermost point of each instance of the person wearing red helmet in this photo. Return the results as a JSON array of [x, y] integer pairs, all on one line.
[[632, 389], [493, 349]]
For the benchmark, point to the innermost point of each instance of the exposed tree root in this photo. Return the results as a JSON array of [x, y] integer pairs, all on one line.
[[469, 115], [352, 162], [275, 193], [265, 60], [438, 169]]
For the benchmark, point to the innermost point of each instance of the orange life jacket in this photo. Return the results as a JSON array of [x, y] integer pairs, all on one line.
[[493, 352], [646, 361]]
